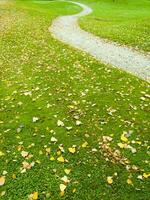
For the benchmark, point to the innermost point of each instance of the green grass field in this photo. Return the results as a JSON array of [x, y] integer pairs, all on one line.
[[53, 97], [122, 21]]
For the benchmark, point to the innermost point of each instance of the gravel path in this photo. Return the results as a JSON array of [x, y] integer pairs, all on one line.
[[66, 29]]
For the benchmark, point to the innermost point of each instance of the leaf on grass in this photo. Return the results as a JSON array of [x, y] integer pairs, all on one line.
[[62, 193], [24, 154], [72, 150], [33, 196], [26, 166], [140, 177], [35, 119], [61, 148], [20, 103], [109, 180], [2, 193], [48, 151], [74, 190], [52, 158], [58, 153], [78, 123], [60, 123], [123, 138], [146, 175], [133, 150], [65, 179], [84, 145], [28, 93], [53, 139], [1, 153], [107, 139], [62, 187], [2, 180], [67, 171], [69, 128], [121, 145], [129, 181], [61, 159], [14, 176], [94, 150], [5, 172]]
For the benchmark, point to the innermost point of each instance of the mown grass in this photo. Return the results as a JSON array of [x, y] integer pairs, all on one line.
[[122, 21], [43, 78]]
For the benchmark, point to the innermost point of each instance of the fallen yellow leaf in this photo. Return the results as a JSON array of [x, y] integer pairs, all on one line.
[[52, 158], [60, 123], [62, 193], [65, 179], [1, 153], [2, 193], [14, 176], [74, 190], [2, 180], [109, 180], [24, 154], [121, 145], [139, 142], [62, 187], [84, 144], [129, 181], [61, 149], [72, 149], [146, 175], [67, 171], [48, 150], [53, 139], [35, 196], [58, 153], [123, 138], [61, 159], [78, 123]]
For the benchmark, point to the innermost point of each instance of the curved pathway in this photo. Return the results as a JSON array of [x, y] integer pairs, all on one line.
[[66, 29]]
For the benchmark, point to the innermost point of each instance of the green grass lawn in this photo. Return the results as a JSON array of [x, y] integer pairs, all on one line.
[[53, 97], [122, 21]]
